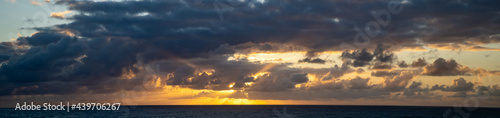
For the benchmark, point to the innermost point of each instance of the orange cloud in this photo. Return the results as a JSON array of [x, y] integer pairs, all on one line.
[[59, 14]]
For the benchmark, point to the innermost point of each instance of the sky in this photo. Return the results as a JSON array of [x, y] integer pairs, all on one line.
[[251, 52]]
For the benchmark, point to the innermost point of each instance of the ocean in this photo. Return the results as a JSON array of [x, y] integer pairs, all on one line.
[[268, 111]]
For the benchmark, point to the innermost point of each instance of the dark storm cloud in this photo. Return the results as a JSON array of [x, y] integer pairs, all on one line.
[[78, 65], [274, 21], [4, 58], [7, 49], [115, 39], [40, 64]]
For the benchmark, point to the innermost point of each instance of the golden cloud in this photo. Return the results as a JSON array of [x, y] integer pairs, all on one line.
[[59, 14]]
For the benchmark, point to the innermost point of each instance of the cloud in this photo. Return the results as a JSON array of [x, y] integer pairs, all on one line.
[[86, 65], [360, 70], [267, 47], [460, 84], [415, 90], [442, 67], [360, 57], [359, 83], [382, 55], [330, 35], [212, 73], [399, 81], [336, 72], [7, 49], [402, 31], [483, 92], [43, 63], [415, 85], [299, 77], [381, 66], [4, 58], [59, 15], [312, 60], [314, 95], [385, 73], [249, 47], [41, 38], [332, 85], [181, 75], [281, 80], [33, 2], [363, 57], [457, 85], [219, 73], [403, 64], [223, 49], [419, 63], [462, 47]]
